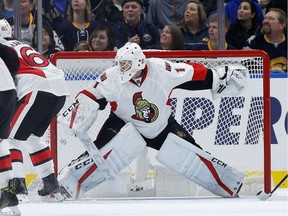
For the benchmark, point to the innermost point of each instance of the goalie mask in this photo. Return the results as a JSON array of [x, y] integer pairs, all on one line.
[[130, 59], [5, 29]]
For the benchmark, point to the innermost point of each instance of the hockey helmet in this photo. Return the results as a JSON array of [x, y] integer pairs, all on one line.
[[130, 59], [5, 29]]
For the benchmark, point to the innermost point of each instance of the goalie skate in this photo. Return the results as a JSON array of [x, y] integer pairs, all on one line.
[[137, 186], [51, 191]]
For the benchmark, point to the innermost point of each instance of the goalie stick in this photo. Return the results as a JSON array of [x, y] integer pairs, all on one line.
[[264, 196], [109, 174]]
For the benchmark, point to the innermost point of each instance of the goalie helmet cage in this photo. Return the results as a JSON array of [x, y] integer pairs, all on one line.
[[82, 68]]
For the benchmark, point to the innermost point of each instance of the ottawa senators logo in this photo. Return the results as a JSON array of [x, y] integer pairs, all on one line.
[[144, 111]]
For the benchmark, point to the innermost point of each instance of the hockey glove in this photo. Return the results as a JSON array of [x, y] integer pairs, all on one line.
[[80, 115], [229, 80]]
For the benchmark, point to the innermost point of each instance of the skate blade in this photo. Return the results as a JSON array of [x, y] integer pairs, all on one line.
[[136, 186], [22, 198], [54, 197], [10, 211]]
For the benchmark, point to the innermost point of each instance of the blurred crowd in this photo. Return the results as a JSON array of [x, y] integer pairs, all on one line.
[[106, 25]]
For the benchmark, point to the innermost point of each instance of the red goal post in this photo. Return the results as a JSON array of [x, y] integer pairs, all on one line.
[[236, 139]]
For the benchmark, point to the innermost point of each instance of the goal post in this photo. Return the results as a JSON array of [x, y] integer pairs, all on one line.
[[235, 129]]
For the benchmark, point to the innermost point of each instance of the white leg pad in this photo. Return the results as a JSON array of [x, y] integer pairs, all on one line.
[[82, 174], [202, 168]]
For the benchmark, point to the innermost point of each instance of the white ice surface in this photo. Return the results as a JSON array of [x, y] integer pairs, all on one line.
[[277, 205]]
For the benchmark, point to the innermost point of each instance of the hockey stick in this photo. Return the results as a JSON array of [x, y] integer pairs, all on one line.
[[109, 174], [264, 196]]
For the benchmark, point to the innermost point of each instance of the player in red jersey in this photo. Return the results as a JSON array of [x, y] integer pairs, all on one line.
[[41, 93]]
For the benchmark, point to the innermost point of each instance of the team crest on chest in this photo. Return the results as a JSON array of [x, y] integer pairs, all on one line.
[[144, 111]]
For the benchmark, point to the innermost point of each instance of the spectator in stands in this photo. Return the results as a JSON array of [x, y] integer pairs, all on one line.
[[49, 46], [79, 24], [213, 43], [94, 4], [109, 12], [81, 46], [102, 39], [245, 26], [231, 9], [134, 28], [51, 15], [272, 39], [145, 6], [194, 26], [171, 38], [281, 4], [61, 6], [264, 4], [51, 19], [27, 21], [162, 12], [6, 8], [210, 7]]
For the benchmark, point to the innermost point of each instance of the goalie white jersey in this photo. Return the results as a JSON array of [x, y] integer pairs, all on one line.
[[139, 90], [136, 101], [45, 76]]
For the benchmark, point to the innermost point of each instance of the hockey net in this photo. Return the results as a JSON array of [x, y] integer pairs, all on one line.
[[233, 129]]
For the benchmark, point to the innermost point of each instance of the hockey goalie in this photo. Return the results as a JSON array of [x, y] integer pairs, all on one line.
[[138, 91]]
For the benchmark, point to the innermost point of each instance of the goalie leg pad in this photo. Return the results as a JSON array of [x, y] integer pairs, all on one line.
[[203, 169], [81, 175]]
